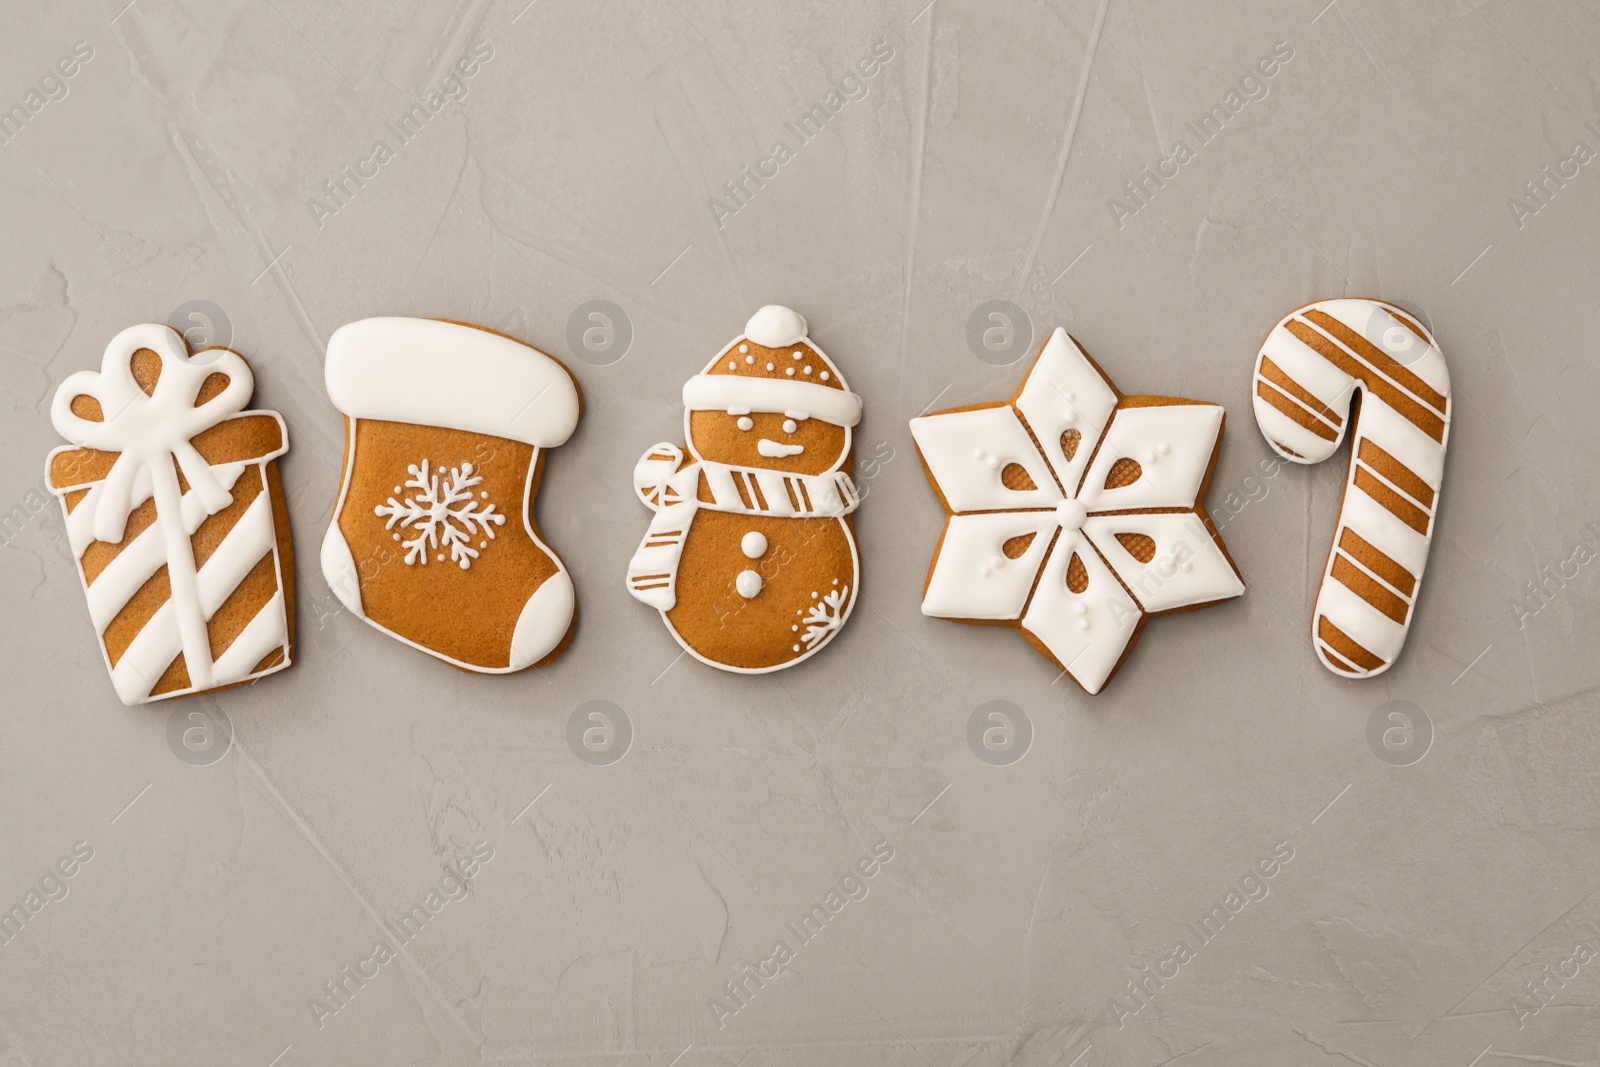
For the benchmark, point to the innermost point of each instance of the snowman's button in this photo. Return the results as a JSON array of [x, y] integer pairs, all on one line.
[[748, 583], [754, 545]]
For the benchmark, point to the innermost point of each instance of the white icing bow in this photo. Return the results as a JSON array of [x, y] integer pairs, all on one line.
[[1087, 519], [151, 431]]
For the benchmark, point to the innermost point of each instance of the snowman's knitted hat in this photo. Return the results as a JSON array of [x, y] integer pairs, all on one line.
[[773, 367], [437, 373]]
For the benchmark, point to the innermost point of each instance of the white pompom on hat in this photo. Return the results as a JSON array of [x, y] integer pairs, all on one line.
[[436, 373], [789, 374]]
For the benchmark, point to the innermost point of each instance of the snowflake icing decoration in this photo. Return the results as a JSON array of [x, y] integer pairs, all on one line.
[[441, 514], [1074, 512], [824, 617]]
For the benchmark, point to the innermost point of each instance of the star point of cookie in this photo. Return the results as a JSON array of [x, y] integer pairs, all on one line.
[[1074, 512]]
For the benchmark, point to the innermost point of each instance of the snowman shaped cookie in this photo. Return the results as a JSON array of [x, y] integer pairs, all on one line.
[[749, 556]]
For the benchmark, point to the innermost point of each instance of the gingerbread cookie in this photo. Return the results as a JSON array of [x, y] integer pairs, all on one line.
[[433, 538], [1074, 512], [750, 556], [176, 516], [1367, 368]]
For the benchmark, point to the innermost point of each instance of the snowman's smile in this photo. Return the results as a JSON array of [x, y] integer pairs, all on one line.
[[775, 450]]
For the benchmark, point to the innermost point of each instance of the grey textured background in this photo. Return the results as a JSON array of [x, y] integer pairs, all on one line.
[[1421, 900]]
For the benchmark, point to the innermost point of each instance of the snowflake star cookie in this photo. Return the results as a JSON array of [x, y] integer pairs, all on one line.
[[433, 538], [1075, 512], [750, 556]]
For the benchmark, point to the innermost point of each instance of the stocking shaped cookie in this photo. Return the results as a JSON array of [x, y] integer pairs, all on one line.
[[433, 538], [750, 557]]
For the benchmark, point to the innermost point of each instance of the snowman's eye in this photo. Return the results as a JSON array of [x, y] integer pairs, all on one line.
[[790, 426], [746, 422]]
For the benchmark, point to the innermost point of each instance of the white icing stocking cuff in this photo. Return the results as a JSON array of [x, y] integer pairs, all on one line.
[[457, 377]]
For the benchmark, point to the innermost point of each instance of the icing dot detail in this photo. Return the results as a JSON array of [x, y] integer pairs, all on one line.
[[1070, 514], [790, 372], [746, 422], [748, 584], [769, 366], [790, 426], [744, 348], [799, 354], [808, 370], [732, 365], [824, 375], [749, 359], [753, 544]]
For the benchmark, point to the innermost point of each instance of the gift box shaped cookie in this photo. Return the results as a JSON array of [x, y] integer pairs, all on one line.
[[433, 539], [176, 516]]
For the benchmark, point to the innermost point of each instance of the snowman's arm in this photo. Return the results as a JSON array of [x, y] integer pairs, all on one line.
[[653, 476]]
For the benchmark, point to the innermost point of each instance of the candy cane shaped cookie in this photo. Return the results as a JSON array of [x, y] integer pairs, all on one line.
[[1370, 368]]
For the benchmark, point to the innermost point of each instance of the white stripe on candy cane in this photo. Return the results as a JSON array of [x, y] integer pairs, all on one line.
[[1405, 413]]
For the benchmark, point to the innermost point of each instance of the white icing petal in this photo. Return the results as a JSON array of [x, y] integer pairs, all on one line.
[[967, 451], [1086, 632], [973, 578], [1172, 443], [1065, 392], [1188, 567]]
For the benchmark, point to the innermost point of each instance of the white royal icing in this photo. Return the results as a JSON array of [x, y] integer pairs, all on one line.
[[777, 449], [967, 453], [1065, 392], [443, 515], [544, 621], [458, 377], [734, 393], [152, 435], [671, 488], [1173, 445], [748, 583], [1414, 433], [1086, 633], [776, 326]]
